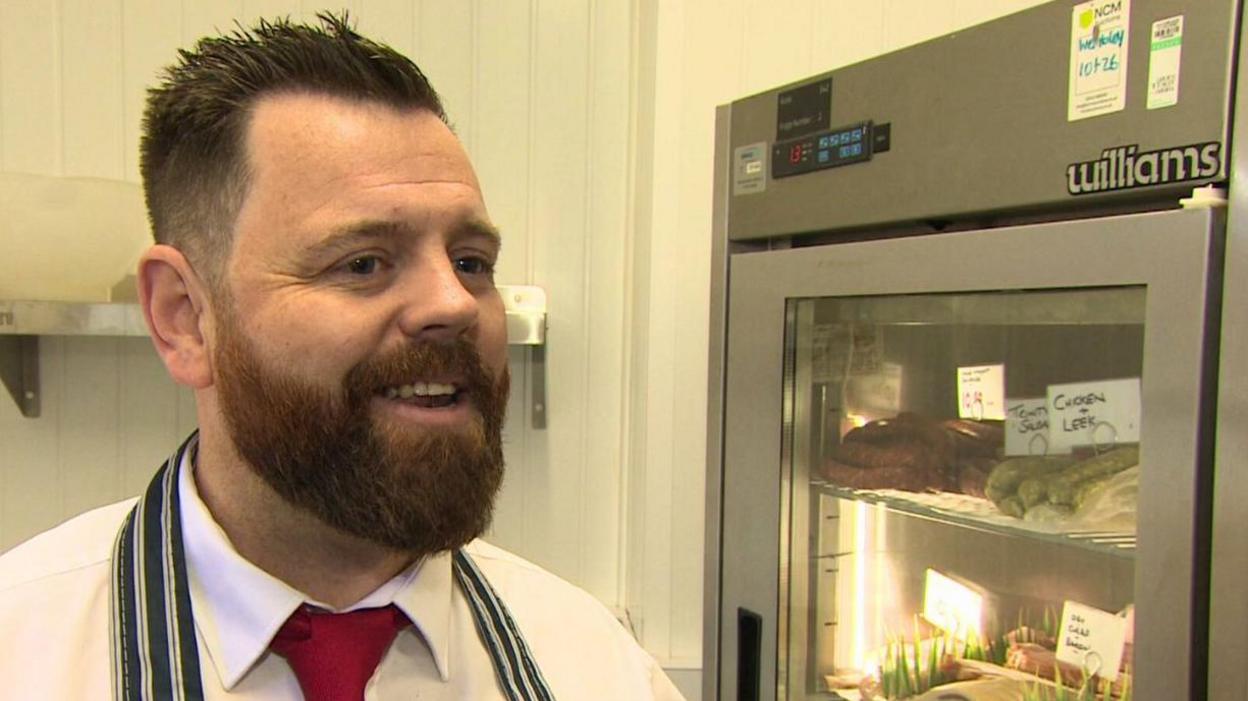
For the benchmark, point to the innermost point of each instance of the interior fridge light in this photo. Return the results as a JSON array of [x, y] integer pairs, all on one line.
[[952, 606], [860, 584]]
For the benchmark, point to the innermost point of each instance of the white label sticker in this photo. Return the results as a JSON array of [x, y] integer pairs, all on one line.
[[1098, 58], [1164, 54], [981, 392], [953, 606], [1093, 413], [1026, 426], [1092, 640]]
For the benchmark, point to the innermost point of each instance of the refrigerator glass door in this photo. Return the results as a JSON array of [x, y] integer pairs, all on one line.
[[979, 457]]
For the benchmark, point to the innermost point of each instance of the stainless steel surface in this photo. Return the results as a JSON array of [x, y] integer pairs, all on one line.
[[714, 416], [797, 410], [34, 318], [19, 372], [1167, 252], [525, 307], [1228, 597], [979, 124]]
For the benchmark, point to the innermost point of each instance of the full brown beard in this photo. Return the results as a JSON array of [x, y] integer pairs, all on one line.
[[422, 491]]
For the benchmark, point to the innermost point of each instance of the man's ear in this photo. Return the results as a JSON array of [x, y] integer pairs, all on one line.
[[175, 306]]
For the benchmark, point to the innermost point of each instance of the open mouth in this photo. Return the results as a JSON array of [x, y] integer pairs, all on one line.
[[431, 395]]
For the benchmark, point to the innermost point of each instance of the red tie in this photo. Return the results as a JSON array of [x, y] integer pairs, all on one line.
[[333, 655]]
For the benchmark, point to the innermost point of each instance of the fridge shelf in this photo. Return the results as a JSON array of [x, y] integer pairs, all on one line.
[[974, 512]]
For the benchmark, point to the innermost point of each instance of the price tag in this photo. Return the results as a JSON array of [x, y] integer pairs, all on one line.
[[981, 392], [1093, 413], [952, 606], [1092, 640], [1027, 426]]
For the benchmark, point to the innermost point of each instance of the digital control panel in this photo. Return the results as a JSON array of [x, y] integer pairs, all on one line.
[[827, 149]]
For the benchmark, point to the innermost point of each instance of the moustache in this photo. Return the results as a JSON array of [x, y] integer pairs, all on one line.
[[457, 361]]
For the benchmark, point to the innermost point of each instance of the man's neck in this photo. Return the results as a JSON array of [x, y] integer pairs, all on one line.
[[292, 545]]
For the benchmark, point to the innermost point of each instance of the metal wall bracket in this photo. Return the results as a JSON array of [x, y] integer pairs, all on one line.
[[526, 326], [19, 371]]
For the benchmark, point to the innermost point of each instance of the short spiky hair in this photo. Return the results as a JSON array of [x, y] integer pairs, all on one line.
[[192, 152]]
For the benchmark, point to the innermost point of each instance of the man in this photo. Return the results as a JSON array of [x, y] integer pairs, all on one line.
[[322, 279]]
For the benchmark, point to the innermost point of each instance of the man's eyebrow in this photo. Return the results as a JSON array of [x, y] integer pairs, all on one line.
[[478, 227], [356, 233]]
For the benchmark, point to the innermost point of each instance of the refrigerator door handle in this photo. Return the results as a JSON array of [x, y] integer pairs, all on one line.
[[749, 654]]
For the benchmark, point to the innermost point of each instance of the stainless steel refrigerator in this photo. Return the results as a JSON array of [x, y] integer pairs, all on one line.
[[977, 406]]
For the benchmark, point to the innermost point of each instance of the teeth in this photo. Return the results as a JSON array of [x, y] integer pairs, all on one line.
[[419, 389]]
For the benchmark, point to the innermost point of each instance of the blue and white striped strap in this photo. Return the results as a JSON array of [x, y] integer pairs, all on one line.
[[155, 655], [517, 672], [155, 652]]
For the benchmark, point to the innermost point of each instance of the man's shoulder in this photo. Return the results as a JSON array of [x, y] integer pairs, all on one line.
[[81, 542], [507, 571], [537, 592]]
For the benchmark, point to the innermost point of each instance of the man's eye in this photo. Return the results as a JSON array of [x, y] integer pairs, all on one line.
[[473, 265], [363, 265]]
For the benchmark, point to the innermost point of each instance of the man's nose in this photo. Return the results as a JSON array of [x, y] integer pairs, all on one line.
[[436, 304]]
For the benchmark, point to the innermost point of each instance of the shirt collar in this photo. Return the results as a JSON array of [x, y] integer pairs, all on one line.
[[240, 607]]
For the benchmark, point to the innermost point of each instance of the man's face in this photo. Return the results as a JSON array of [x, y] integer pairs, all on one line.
[[360, 350]]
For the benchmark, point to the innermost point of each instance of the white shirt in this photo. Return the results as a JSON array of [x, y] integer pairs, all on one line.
[[55, 632]]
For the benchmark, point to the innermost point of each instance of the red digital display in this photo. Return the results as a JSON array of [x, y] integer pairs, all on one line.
[[795, 154]]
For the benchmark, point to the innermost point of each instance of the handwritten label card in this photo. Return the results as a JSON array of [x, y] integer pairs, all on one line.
[[1093, 413], [952, 606], [1027, 426], [1098, 58], [981, 392], [1092, 640]]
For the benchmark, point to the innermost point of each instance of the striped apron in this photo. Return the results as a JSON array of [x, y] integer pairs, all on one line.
[[154, 649]]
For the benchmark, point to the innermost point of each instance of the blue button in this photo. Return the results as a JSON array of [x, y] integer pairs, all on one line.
[[823, 142], [857, 135], [825, 156], [844, 151]]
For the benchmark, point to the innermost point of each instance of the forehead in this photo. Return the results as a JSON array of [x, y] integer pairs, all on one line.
[[320, 136]]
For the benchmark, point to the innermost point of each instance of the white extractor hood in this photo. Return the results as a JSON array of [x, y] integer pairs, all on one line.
[[68, 251]]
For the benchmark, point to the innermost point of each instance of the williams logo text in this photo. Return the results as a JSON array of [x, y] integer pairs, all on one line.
[[1125, 167]]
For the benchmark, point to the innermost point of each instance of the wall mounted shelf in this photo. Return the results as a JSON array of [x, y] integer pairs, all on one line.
[[22, 323]]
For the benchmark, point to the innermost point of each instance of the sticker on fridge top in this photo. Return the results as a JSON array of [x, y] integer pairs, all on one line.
[[1125, 167], [1098, 58], [1092, 640], [749, 168], [1100, 414], [1164, 53], [981, 392]]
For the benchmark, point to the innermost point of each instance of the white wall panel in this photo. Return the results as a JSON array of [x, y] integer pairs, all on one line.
[[392, 22], [268, 9], [555, 464], [157, 24], [445, 50], [30, 87], [607, 236], [845, 33], [505, 112], [91, 93], [776, 36], [201, 19]]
